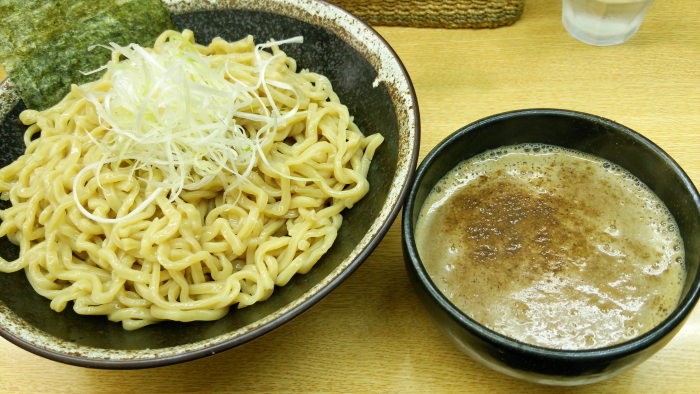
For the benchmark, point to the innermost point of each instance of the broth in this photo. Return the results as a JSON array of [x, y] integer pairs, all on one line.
[[552, 247]]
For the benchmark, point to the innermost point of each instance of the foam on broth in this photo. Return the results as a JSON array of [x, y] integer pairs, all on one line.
[[552, 247]]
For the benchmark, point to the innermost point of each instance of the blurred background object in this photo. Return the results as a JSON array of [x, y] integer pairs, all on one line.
[[436, 13]]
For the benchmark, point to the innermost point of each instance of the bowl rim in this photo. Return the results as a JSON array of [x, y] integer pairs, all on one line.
[[401, 193], [617, 351]]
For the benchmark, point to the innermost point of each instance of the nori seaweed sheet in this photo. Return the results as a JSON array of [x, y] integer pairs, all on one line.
[[44, 43]]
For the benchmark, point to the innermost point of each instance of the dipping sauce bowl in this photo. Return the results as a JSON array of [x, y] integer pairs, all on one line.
[[590, 134]]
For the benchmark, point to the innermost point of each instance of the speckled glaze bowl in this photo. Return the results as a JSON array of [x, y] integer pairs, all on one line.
[[583, 132], [367, 76]]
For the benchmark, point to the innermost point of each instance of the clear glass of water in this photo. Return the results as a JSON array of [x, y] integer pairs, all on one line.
[[603, 22]]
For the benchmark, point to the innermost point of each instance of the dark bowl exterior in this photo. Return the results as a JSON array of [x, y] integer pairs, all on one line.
[[367, 76], [583, 132]]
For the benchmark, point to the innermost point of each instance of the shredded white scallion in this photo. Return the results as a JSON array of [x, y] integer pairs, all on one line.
[[172, 109]]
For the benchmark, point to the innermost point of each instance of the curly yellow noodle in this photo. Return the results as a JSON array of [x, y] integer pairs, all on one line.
[[192, 258]]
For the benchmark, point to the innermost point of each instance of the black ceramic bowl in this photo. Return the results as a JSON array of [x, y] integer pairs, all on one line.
[[367, 76], [583, 132]]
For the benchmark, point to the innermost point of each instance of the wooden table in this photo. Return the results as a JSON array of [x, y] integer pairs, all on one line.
[[372, 334]]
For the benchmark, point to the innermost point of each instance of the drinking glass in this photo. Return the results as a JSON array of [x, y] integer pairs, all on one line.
[[603, 22]]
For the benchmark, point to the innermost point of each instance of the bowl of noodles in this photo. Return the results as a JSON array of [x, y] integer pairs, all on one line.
[[191, 198]]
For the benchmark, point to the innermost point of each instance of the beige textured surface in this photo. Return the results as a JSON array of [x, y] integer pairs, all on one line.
[[436, 13], [372, 334]]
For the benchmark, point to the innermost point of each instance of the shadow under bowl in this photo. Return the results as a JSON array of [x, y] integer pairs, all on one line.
[[583, 132], [369, 79]]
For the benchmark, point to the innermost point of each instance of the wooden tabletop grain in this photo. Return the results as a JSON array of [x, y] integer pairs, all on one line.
[[372, 334]]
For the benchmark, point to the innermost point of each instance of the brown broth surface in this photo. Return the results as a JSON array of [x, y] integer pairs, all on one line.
[[552, 247]]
